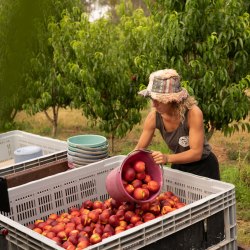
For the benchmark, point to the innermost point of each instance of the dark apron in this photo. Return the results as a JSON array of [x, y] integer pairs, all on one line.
[[208, 167], [194, 237]]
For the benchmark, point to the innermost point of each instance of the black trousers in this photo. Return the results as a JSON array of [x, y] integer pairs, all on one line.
[[208, 167], [194, 237]]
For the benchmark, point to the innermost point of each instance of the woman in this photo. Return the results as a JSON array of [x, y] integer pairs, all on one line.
[[180, 122]]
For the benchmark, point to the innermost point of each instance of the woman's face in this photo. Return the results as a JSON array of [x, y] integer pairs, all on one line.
[[161, 107]]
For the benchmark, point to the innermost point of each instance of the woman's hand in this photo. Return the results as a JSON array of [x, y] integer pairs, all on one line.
[[159, 157]]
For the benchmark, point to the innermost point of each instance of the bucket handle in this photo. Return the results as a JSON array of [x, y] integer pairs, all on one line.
[[147, 151]]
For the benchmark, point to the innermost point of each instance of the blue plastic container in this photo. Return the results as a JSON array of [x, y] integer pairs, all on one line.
[[27, 153], [87, 141]]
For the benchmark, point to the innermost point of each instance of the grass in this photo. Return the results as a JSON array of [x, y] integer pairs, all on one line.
[[233, 152]]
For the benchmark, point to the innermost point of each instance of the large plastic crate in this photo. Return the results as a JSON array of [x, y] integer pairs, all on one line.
[[53, 150], [56, 194]]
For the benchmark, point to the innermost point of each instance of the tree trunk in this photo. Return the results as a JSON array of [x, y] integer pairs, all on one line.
[[13, 116], [53, 121], [210, 132], [54, 130], [112, 142]]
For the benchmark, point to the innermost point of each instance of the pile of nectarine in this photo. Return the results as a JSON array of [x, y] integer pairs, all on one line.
[[95, 221], [137, 182]]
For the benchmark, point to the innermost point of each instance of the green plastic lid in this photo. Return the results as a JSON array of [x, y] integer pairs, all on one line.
[[89, 141]]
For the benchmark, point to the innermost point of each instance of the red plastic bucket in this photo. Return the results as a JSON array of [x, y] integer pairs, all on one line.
[[114, 184]]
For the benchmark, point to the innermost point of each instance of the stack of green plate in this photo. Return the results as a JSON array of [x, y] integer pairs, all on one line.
[[86, 149]]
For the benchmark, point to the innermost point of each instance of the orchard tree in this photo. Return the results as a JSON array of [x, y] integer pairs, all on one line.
[[208, 43], [101, 83], [46, 82], [16, 18]]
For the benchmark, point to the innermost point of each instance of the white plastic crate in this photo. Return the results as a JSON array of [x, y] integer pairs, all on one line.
[[53, 150], [56, 194]]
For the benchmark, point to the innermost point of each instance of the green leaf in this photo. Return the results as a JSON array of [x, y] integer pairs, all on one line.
[[243, 127], [224, 102], [241, 43]]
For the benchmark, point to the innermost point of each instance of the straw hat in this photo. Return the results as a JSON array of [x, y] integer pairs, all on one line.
[[165, 86]]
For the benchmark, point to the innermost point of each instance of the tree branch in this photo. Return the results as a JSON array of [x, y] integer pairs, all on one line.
[[12, 118], [45, 112], [54, 112], [200, 42], [57, 109], [188, 60], [230, 66], [210, 132], [195, 60]]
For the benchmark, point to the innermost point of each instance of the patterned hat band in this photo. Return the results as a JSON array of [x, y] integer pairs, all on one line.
[[165, 86]]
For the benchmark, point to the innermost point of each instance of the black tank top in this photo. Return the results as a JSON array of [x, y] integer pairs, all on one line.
[[178, 140]]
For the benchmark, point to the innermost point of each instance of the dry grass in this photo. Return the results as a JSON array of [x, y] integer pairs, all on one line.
[[243, 232]]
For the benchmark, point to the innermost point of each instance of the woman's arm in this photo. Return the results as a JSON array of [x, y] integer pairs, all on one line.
[[196, 141], [148, 131]]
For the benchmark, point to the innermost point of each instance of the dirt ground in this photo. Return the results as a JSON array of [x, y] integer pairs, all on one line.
[[220, 152]]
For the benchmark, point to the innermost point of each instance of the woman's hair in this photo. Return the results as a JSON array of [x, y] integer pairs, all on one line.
[[180, 108]]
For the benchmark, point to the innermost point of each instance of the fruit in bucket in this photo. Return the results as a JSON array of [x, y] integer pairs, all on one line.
[[147, 179], [128, 174], [139, 193], [130, 189], [136, 183], [139, 166], [141, 175], [124, 182], [126, 166]]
